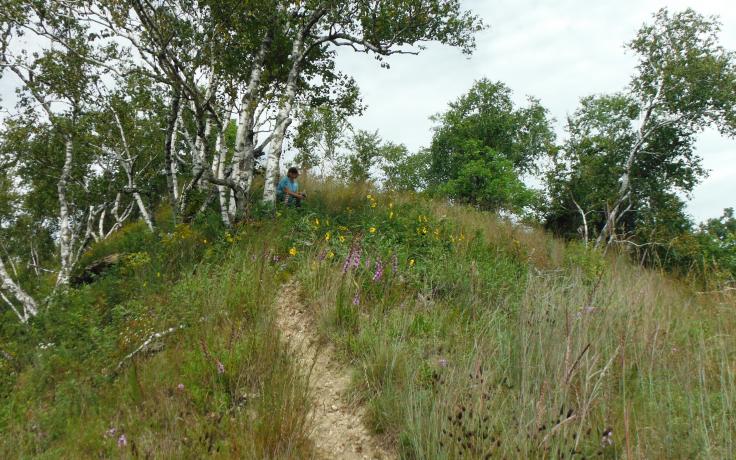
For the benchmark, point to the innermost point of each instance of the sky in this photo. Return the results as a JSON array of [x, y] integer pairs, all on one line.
[[558, 51]]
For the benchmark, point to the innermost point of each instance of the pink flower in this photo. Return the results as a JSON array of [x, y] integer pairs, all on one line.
[[379, 271], [356, 299], [110, 433], [180, 387]]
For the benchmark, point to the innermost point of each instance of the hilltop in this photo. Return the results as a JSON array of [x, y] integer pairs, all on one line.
[[448, 332]]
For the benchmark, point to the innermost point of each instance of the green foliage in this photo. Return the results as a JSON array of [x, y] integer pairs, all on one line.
[[631, 156], [490, 183], [483, 134]]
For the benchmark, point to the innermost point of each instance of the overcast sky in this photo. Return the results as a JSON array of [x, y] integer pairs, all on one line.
[[557, 51]]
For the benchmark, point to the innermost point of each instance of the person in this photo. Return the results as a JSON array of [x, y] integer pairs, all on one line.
[[287, 191]]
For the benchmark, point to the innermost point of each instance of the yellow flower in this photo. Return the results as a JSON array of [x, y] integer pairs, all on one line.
[[411, 262], [330, 255], [391, 215], [390, 206], [342, 228], [204, 241], [424, 230], [341, 238], [373, 204], [316, 221], [372, 229], [293, 252], [327, 236], [370, 197]]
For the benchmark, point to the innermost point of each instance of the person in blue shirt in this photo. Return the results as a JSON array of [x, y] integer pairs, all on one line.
[[287, 191]]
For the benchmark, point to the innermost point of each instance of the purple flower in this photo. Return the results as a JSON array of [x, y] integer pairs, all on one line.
[[356, 257], [110, 433], [348, 260], [356, 299], [122, 441], [220, 367], [379, 271]]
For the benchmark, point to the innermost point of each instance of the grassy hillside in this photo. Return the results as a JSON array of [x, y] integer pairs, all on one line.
[[466, 336]]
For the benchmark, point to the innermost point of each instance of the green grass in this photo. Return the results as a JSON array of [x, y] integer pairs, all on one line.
[[479, 337], [513, 344]]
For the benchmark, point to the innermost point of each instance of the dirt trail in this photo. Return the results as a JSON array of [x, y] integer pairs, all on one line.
[[339, 432]]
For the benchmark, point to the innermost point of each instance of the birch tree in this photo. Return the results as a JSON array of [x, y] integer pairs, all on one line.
[[631, 156], [379, 28]]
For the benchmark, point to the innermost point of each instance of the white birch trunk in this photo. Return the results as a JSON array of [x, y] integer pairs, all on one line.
[[615, 213], [172, 166], [219, 172], [127, 164], [283, 120], [142, 209], [65, 230], [28, 304], [243, 157]]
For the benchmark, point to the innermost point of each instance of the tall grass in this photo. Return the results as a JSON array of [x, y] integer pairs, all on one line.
[[513, 344], [472, 337], [221, 383]]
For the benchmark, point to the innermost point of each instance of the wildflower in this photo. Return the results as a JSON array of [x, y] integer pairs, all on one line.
[[122, 441], [204, 241], [373, 204], [356, 257], [293, 252], [379, 271], [342, 228], [110, 433], [370, 197], [327, 236], [391, 215], [411, 262], [353, 259], [180, 387], [356, 299], [390, 206], [442, 362], [372, 229], [341, 238], [316, 222], [220, 367], [424, 230]]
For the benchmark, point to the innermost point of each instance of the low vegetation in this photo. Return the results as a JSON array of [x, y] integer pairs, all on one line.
[[467, 337]]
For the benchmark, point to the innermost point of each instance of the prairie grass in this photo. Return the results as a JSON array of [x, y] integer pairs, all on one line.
[[509, 343], [220, 384], [467, 337]]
